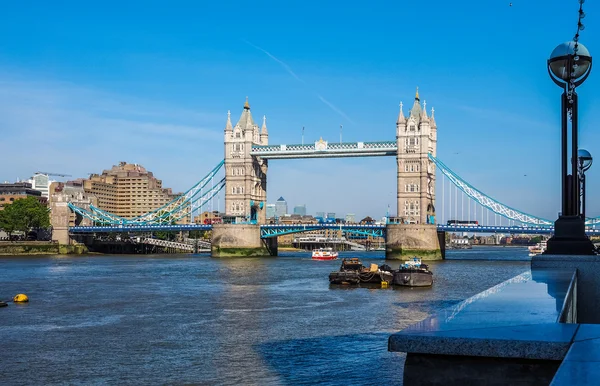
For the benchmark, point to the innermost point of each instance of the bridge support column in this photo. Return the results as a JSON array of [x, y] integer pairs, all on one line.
[[237, 240], [404, 241], [59, 219]]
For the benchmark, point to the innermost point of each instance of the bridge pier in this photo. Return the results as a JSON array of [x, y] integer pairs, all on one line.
[[238, 240], [404, 241]]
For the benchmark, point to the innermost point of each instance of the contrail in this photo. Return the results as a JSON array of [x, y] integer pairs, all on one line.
[[292, 73], [334, 108], [285, 66]]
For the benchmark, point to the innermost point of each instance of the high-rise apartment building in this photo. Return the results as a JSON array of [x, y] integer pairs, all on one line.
[[300, 210], [128, 190]]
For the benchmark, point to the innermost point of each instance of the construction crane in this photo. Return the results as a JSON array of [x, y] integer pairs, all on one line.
[[55, 174]]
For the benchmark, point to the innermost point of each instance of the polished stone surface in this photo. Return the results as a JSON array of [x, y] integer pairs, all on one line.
[[581, 366], [515, 319]]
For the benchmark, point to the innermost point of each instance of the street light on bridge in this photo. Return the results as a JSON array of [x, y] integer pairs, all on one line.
[[569, 66], [585, 163]]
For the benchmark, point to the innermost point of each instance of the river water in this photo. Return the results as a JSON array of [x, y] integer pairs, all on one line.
[[190, 319]]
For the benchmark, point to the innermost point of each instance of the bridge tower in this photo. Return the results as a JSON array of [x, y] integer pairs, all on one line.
[[245, 191], [415, 234], [245, 175], [416, 137]]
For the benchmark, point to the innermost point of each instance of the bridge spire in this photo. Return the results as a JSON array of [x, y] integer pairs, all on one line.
[[424, 113], [432, 119], [401, 118], [417, 94], [228, 126], [263, 130], [246, 104]]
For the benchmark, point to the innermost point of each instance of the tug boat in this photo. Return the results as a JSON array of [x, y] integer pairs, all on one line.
[[324, 254], [353, 271], [413, 273]]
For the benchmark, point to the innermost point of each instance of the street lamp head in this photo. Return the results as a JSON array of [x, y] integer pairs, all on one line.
[[585, 159], [565, 65]]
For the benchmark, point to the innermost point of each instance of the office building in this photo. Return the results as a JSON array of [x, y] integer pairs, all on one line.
[[300, 210], [330, 215], [281, 208], [41, 182], [320, 214], [270, 210], [12, 191], [350, 218]]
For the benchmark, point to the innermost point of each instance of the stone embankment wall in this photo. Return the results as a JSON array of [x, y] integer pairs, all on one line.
[[27, 248]]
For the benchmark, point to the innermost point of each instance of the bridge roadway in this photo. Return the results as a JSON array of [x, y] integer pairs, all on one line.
[[274, 230]]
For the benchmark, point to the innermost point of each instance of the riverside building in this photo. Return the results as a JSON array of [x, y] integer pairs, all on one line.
[[128, 190]]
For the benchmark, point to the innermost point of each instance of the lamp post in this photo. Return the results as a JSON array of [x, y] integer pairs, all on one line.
[[585, 163], [569, 66]]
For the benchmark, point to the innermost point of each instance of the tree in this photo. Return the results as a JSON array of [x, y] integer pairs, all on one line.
[[23, 215]]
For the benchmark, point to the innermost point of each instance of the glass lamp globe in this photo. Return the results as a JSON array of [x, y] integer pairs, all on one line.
[[585, 159], [563, 64]]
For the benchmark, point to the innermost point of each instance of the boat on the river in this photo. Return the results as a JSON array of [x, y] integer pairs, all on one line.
[[324, 254], [353, 271], [3, 304], [413, 273], [538, 249]]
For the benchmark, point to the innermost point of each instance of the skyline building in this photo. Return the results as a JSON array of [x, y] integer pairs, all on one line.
[[281, 208], [300, 210], [41, 182], [330, 214], [320, 214], [270, 210], [350, 218], [128, 190]]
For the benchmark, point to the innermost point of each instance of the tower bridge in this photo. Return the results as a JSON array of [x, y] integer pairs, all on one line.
[[417, 229]]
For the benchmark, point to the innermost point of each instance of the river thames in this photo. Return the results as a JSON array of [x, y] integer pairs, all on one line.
[[190, 319]]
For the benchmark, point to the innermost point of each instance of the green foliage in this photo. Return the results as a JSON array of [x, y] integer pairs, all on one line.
[[23, 215]]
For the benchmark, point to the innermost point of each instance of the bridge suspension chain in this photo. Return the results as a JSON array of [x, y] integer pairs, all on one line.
[[486, 201], [169, 213]]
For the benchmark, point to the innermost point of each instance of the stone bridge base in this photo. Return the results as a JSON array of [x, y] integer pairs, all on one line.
[[404, 241], [238, 240]]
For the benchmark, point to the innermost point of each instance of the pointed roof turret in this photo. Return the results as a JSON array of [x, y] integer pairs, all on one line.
[[415, 111], [228, 126], [246, 122], [432, 119], [424, 114], [401, 118], [263, 130]]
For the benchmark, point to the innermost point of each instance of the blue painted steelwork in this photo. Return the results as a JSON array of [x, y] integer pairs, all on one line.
[[274, 230], [323, 149], [533, 230], [487, 201], [140, 228]]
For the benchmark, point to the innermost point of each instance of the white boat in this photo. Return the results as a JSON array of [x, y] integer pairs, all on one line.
[[538, 249], [324, 254]]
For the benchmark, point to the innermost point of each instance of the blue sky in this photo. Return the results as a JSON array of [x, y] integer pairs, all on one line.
[[84, 86]]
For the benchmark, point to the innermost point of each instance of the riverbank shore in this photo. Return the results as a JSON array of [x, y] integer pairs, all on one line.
[[31, 248]]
